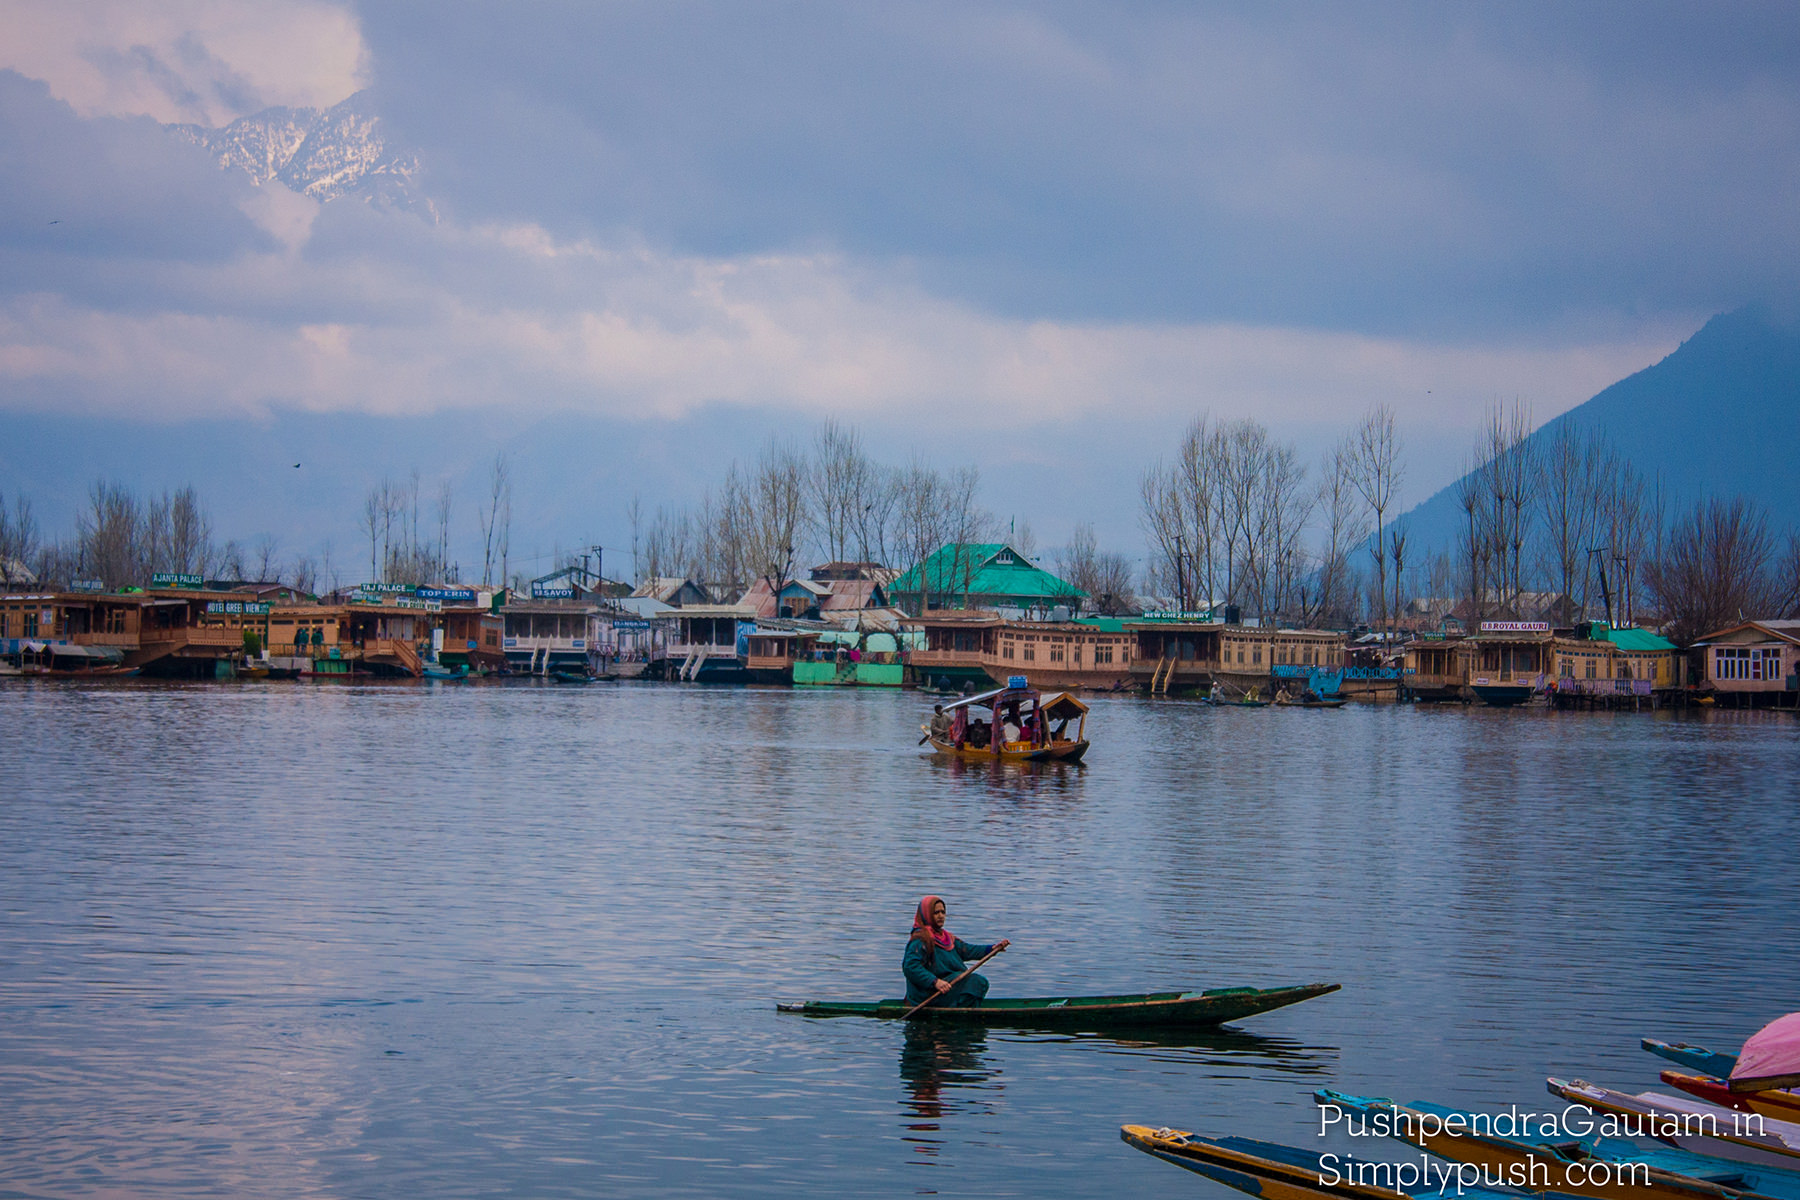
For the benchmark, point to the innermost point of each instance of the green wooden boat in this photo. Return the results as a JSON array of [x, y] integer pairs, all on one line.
[[1214, 1007]]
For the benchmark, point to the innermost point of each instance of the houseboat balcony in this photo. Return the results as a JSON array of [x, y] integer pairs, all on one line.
[[119, 641]]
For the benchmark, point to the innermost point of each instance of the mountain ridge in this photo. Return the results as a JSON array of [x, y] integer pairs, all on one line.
[[327, 154], [1718, 416]]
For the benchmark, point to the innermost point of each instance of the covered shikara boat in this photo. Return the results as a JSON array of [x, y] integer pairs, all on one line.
[[1276, 1172], [1588, 1166], [1164, 1009], [1693, 1125], [1015, 723]]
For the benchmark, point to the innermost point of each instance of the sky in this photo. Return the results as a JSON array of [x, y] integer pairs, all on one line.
[[1038, 238]]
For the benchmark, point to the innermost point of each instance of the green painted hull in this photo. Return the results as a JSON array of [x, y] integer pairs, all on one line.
[[1213, 1007]]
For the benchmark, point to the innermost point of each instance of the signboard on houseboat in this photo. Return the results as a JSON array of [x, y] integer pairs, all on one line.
[[1515, 627], [171, 579], [237, 608], [87, 585], [447, 595], [545, 591], [631, 624]]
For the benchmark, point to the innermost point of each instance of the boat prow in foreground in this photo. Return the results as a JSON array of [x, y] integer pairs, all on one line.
[[1165, 1009]]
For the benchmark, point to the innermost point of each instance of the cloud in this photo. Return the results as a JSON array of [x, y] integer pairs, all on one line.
[[512, 318], [84, 196], [200, 62], [1425, 169]]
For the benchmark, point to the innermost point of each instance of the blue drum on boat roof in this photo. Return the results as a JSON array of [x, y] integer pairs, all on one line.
[[1017, 682]]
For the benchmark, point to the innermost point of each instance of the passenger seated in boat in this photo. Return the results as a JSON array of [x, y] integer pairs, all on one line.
[[935, 956], [978, 734]]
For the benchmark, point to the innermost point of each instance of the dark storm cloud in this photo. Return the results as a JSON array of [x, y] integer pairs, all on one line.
[[107, 193], [1433, 168]]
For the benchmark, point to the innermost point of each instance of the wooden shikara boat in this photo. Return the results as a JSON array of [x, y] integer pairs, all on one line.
[[1694, 1125], [1030, 714], [1166, 1009], [1584, 1167], [1276, 1172], [1284, 703]]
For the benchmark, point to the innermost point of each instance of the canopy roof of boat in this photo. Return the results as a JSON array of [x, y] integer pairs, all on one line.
[[1058, 705]]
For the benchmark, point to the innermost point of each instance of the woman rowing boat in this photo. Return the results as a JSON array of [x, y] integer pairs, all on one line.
[[935, 956]]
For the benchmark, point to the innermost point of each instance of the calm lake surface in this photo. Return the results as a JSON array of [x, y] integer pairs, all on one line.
[[295, 940]]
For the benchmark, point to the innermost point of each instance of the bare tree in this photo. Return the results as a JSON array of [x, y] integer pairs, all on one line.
[[109, 534], [262, 553], [1376, 472], [1787, 578], [1567, 492], [373, 511], [835, 482], [1713, 568], [776, 513], [1105, 577], [1344, 529], [446, 494], [496, 519], [18, 537]]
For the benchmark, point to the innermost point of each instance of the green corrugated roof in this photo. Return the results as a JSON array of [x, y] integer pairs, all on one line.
[[946, 568], [1638, 639], [1103, 624]]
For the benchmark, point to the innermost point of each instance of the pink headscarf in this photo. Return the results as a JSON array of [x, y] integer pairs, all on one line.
[[922, 925]]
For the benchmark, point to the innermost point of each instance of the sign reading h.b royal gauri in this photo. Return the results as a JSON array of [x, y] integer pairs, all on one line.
[[1515, 627]]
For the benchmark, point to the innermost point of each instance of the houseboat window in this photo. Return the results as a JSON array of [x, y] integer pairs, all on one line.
[[1030, 654], [1256, 656], [31, 623], [1006, 650]]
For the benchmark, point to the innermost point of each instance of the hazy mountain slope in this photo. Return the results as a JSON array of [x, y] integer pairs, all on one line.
[[1719, 416]]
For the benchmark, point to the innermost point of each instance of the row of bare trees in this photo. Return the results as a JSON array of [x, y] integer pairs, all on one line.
[[1227, 521], [831, 499], [402, 549]]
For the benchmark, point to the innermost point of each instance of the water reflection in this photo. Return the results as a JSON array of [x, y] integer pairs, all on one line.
[[944, 1070], [1218, 1053]]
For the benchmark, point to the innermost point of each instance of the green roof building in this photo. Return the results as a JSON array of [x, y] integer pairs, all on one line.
[[982, 575]]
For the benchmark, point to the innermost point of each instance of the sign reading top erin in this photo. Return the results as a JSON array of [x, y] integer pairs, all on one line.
[[446, 595], [170, 579], [1515, 627]]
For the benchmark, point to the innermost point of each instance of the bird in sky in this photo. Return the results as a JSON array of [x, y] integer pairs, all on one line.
[[296, 466]]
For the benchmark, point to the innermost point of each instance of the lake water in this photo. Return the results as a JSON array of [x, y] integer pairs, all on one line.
[[294, 940]]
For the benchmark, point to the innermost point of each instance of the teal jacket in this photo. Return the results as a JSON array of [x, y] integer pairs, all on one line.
[[921, 977]]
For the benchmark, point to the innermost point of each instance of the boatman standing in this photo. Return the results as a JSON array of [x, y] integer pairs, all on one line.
[[935, 956]]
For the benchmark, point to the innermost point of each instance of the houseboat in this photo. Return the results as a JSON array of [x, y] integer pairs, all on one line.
[[351, 638], [1186, 652], [709, 643], [547, 634], [1752, 663], [1511, 661]]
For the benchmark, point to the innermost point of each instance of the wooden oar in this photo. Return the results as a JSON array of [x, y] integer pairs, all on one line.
[[967, 971]]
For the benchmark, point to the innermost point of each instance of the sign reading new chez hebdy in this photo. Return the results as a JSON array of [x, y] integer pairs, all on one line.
[[170, 579]]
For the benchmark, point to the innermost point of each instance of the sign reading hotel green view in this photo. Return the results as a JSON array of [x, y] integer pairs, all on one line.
[[170, 579], [251, 608]]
